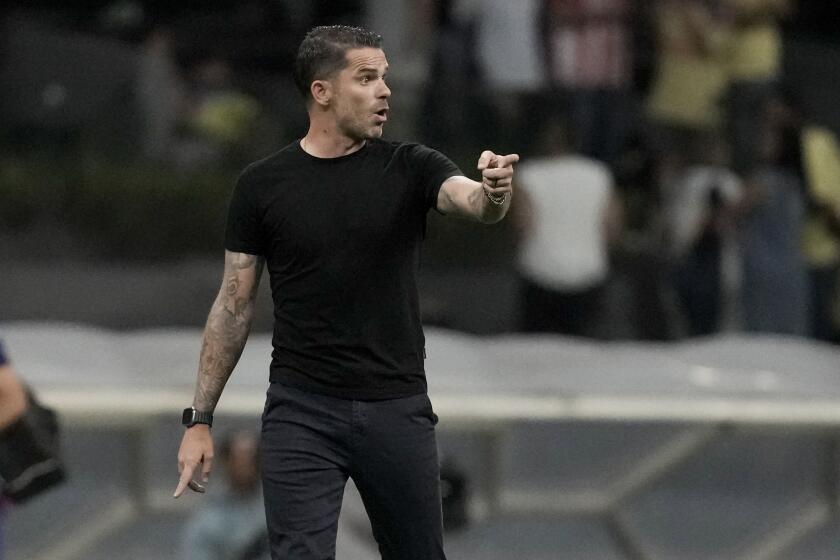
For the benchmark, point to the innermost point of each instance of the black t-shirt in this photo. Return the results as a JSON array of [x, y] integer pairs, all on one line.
[[341, 238]]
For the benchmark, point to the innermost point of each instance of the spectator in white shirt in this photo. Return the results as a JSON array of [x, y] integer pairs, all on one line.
[[568, 215]]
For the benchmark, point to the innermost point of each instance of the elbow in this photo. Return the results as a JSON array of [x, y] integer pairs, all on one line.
[[492, 215]]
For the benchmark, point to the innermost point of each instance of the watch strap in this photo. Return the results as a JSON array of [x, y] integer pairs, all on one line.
[[193, 417]]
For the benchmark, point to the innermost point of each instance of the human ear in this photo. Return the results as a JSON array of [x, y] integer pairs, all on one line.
[[321, 91]]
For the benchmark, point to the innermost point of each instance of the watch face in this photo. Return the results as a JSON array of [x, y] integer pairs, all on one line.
[[187, 416]]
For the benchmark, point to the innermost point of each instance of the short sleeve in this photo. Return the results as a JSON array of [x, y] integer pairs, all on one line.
[[242, 231], [435, 168]]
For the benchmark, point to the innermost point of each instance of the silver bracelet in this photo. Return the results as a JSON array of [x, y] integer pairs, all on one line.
[[498, 200]]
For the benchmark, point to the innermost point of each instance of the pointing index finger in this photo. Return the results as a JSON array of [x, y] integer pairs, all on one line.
[[184, 481]]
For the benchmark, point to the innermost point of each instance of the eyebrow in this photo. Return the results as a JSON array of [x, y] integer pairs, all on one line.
[[370, 70]]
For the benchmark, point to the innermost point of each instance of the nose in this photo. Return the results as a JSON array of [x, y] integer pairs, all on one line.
[[384, 90]]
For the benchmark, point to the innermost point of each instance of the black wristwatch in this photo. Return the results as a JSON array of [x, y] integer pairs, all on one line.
[[191, 417]]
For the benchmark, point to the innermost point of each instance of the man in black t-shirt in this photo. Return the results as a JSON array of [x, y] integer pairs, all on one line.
[[338, 219]]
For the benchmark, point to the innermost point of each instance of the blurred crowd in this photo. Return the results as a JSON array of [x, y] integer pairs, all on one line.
[[664, 149], [664, 146]]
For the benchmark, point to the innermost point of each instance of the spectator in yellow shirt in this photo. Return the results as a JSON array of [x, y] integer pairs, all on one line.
[[690, 81]]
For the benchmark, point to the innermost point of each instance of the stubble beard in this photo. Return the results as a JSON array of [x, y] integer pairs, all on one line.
[[362, 132], [358, 128]]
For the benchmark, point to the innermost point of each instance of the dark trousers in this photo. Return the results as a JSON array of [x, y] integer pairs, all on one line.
[[312, 443], [699, 285], [570, 313]]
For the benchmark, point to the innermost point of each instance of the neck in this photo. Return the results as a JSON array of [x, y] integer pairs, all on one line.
[[324, 140]]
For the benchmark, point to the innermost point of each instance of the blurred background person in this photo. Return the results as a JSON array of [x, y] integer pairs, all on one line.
[[221, 117], [160, 94], [754, 65], [12, 393], [820, 162], [453, 112], [230, 525], [12, 407], [813, 151], [589, 58], [683, 104], [701, 204], [510, 66], [775, 279], [29, 450], [641, 260], [568, 215]]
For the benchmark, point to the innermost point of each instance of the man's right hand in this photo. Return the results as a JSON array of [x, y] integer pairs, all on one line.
[[196, 449]]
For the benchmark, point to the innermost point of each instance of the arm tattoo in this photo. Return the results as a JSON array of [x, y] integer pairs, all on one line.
[[227, 327]]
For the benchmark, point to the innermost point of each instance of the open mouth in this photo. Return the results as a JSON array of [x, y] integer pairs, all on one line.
[[382, 113]]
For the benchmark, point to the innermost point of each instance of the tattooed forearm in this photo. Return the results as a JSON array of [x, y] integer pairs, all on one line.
[[227, 327]]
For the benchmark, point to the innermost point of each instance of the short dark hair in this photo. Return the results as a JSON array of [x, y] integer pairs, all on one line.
[[322, 52]]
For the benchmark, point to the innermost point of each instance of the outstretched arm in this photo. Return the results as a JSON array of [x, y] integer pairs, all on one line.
[[486, 201], [225, 333]]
